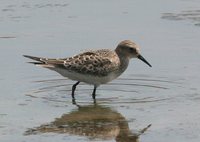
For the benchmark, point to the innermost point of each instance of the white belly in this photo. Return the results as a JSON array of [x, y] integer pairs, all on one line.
[[90, 79]]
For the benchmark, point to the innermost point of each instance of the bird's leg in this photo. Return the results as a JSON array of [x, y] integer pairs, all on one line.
[[94, 92], [74, 88], [74, 103]]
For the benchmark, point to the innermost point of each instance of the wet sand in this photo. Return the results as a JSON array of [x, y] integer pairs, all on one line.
[[36, 103]]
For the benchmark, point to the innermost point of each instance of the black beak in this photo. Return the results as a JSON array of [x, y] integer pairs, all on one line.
[[144, 60]]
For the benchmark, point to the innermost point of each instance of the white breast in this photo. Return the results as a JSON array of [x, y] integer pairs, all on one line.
[[89, 79]]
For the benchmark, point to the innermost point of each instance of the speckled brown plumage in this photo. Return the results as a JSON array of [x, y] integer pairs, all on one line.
[[94, 67]]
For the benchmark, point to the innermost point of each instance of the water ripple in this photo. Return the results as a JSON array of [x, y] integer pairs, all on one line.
[[125, 90]]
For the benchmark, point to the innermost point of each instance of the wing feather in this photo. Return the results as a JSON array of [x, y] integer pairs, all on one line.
[[90, 63], [98, 62]]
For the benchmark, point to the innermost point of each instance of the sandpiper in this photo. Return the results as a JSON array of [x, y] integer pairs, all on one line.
[[93, 67]]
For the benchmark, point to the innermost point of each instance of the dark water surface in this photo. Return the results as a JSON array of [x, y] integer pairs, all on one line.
[[36, 103]]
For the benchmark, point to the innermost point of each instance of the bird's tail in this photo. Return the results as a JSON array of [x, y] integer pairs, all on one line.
[[38, 60], [46, 62]]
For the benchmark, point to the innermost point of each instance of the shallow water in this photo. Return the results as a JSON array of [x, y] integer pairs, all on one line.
[[36, 104]]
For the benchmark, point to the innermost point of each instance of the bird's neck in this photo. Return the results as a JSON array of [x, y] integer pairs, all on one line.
[[124, 61]]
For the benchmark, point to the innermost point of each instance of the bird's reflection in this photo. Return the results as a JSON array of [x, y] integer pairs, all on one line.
[[94, 122]]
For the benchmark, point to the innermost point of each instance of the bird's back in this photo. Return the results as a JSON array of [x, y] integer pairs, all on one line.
[[93, 62]]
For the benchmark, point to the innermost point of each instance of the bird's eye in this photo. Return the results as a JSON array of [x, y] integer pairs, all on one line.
[[131, 49]]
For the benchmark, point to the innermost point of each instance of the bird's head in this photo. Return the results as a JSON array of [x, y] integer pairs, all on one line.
[[130, 50]]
